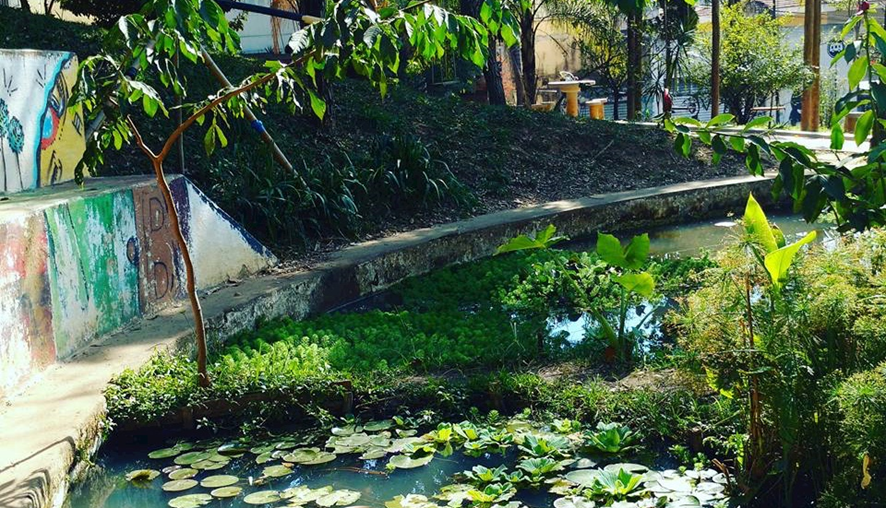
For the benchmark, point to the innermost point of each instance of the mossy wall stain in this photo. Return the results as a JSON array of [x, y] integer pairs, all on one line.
[[95, 285]]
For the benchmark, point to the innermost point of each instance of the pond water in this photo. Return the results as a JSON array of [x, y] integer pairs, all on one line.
[[279, 472], [686, 240], [352, 479], [109, 489]]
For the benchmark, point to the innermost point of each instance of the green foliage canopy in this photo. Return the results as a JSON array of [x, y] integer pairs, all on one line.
[[756, 62]]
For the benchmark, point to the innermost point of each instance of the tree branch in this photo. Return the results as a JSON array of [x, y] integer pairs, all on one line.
[[170, 142], [138, 139]]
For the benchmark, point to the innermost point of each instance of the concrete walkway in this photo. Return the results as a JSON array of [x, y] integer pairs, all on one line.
[[45, 431]]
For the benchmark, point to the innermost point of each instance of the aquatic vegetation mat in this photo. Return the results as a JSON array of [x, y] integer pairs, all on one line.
[[393, 463]]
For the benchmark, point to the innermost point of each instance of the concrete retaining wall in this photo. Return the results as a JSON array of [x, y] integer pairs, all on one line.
[[41, 138], [76, 265], [360, 270], [36, 463]]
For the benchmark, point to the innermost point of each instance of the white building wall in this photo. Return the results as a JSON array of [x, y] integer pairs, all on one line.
[[256, 34]]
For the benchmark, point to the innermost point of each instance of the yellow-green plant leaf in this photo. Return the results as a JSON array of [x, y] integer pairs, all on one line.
[[609, 249], [637, 251], [863, 127], [778, 262], [640, 283], [757, 225]]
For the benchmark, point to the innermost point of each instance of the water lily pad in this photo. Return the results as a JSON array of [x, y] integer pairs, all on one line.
[[374, 453], [208, 465], [276, 471], [411, 501], [218, 457], [584, 464], [189, 458], [710, 488], [143, 475], [406, 462], [262, 449], [232, 448], [573, 502], [684, 502], [321, 458], [338, 498], [627, 467], [347, 430], [353, 441], [679, 485], [190, 501], [179, 485], [222, 480], [378, 426], [286, 445], [455, 495], [380, 441], [262, 497], [264, 457], [302, 495], [398, 445], [169, 469], [583, 477], [183, 446], [183, 473], [225, 492], [164, 453], [406, 432], [301, 455]]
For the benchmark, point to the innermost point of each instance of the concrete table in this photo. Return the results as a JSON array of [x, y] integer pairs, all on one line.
[[571, 89]]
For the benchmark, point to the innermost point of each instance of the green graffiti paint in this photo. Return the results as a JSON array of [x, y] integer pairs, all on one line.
[[94, 285]]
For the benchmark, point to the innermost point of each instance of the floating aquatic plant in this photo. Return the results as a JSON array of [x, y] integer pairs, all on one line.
[[610, 438]]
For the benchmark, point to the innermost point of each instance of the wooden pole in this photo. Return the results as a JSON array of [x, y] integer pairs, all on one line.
[[811, 55], [815, 106], [279, 156], [715, 58]]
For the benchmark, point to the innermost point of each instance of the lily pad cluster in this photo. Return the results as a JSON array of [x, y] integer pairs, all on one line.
[[550, 458], [194, 466], [561, 458]]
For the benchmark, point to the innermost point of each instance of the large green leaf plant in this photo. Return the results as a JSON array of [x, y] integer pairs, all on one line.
[[623, 268]]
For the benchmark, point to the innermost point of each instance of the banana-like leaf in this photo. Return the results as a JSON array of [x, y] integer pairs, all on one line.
[[757, 225], [778, 262]]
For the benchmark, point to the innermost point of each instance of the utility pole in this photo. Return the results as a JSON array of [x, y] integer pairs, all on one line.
[[715, 57], [811, 116]]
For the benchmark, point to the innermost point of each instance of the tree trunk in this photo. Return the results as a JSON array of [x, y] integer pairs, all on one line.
[[191, 282], [26, 5], [715, 58], [495, 91], [615, 97], [635, 64], [517, 68], [527, 52]]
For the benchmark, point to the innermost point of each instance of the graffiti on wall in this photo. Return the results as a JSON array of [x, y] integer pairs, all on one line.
[[93, 282], [25, 318], [41, 138], [155, 251], [84, 266]]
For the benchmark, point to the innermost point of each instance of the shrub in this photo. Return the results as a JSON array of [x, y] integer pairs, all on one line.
[[861, 431], [105, 13]]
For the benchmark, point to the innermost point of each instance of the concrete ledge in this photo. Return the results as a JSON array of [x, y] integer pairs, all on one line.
[[60, 419]]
